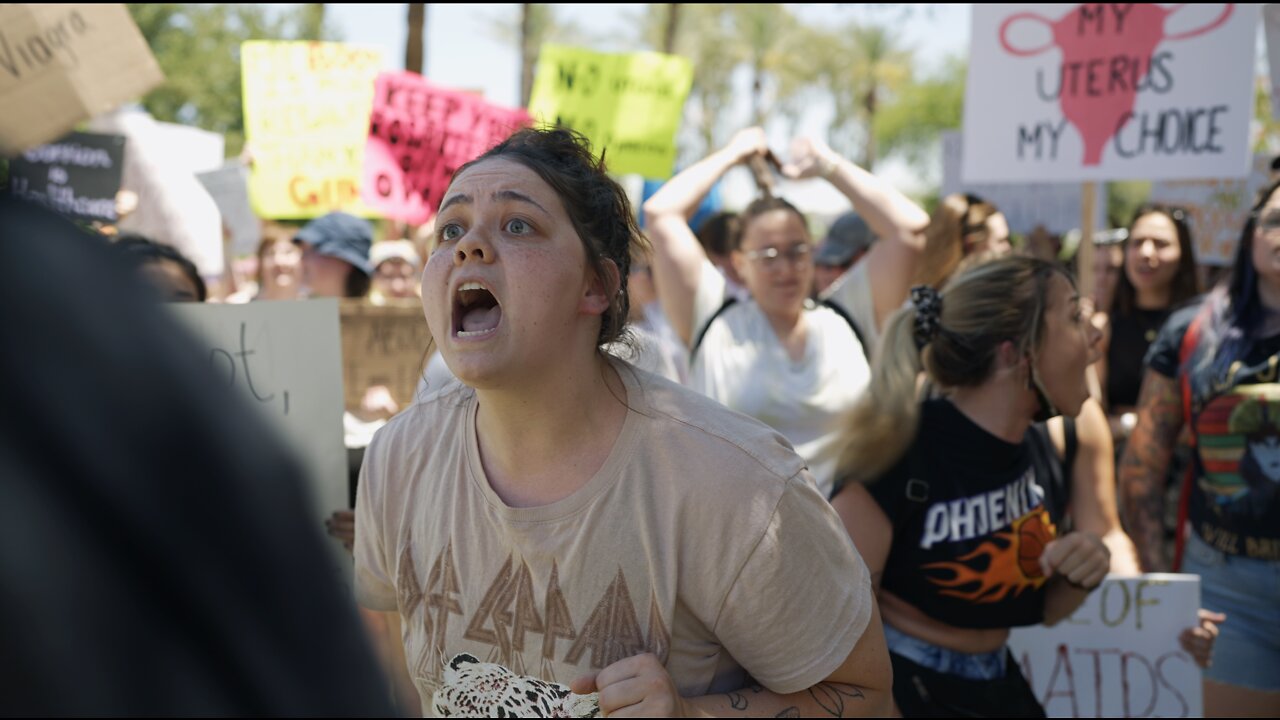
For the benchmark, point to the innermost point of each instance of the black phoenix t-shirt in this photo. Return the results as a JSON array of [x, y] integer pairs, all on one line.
[[971, 516]]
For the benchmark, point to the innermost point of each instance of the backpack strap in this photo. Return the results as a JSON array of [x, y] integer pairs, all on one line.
[[1070, 447], [1190, 339], [857, 332], [731, 301], [697, 342]]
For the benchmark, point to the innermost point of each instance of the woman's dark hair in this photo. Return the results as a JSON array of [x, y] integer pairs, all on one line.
[[1186, 283], [357, 284], [142, 250], [1235, 311], [759, 207], [717, 233], [597, 206]]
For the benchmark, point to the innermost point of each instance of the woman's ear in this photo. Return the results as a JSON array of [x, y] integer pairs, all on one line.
[[1008, 358], [600, 291]]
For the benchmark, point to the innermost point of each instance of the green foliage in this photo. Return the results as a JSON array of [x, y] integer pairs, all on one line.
[[1123, 199], [910, 123], [198, 48]]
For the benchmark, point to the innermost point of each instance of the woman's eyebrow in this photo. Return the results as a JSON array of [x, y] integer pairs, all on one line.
[[454, 200], [518, 197]]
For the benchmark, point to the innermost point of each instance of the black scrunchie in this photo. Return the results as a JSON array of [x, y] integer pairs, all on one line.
[[928, 305]]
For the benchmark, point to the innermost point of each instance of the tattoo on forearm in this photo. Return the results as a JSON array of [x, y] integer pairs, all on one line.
[[831, 696], [737, 700], [1145, 464], [791, 712]]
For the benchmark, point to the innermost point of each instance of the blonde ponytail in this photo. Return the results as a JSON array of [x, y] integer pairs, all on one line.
[[884, 421]]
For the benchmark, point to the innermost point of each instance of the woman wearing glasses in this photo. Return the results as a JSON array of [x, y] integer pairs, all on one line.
[[796, 365], [1214, 368]]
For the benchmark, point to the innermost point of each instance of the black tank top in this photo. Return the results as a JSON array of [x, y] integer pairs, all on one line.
[[1131, 335], [971, 515]]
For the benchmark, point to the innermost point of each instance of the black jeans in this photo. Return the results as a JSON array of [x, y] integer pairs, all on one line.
[[925, 693]]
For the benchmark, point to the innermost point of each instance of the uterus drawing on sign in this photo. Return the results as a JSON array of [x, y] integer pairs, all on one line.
[[1109, 55]]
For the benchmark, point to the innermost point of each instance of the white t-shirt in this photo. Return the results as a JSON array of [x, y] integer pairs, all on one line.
[[742, 364], [701, 540]]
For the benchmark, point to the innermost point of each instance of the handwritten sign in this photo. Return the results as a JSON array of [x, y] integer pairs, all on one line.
[[419, 134], [1217, 209], [77, 176], [1099, 91], [628, 104], [229, 188], [383, 345], [306, 117], [283, 358], [1056, 206], [63, 63], [1118, 655]]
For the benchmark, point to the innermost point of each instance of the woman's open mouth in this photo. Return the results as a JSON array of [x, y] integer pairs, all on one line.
[[476, 312]]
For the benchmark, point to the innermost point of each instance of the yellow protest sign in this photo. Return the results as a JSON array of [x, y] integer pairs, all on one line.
[[306, 119], [630, 104]]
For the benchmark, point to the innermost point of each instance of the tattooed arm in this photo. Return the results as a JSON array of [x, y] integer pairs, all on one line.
[[1146, 463], [861, 687]]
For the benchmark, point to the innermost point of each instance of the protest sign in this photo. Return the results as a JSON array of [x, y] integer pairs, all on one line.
[[229, 188], [383, 345], [419, 133], [306, 118], [1271, 22], [1099, 91], [63, 63], [283, 359], [77, 176], [1216, 209], [1118, 655], [1056, 206], [629, 104]]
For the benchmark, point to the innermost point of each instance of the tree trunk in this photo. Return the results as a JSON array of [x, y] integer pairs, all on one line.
[[528, 53], [669, 35], [413, 51]]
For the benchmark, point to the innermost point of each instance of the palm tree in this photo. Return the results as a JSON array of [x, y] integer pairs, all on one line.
[[867, 63]]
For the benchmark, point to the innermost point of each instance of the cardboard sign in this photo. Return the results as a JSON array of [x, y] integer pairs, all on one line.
[[419, 134], [77, 176], [628, 104], [306, 117], [283, 358], [1094, 91], [60, 64], [383, 345], [1216, 209], [1118, 655], [229, 188], [1056, 206]]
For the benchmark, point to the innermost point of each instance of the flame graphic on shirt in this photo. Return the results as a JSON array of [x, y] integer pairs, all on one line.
[[1007, 564]]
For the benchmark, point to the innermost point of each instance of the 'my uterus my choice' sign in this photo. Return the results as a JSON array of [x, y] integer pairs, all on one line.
[[1109, 91]]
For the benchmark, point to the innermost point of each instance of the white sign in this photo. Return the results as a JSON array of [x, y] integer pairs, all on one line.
[[1094, 91], [190, 148], [1216, 209], [1118, 655], [284, 358], [229, 187], [1271, 21], [1056, 206]]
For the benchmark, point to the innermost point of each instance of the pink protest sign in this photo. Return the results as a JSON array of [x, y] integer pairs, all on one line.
[[419, 134], [1109, 91]]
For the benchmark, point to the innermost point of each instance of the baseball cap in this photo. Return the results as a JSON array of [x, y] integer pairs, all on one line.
[[342, 236], [847, 237]]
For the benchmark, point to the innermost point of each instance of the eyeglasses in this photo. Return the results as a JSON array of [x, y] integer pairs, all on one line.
[[1268, 223], [771, 257]]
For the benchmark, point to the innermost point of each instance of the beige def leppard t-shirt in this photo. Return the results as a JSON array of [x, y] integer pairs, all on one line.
[[701, 540]]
